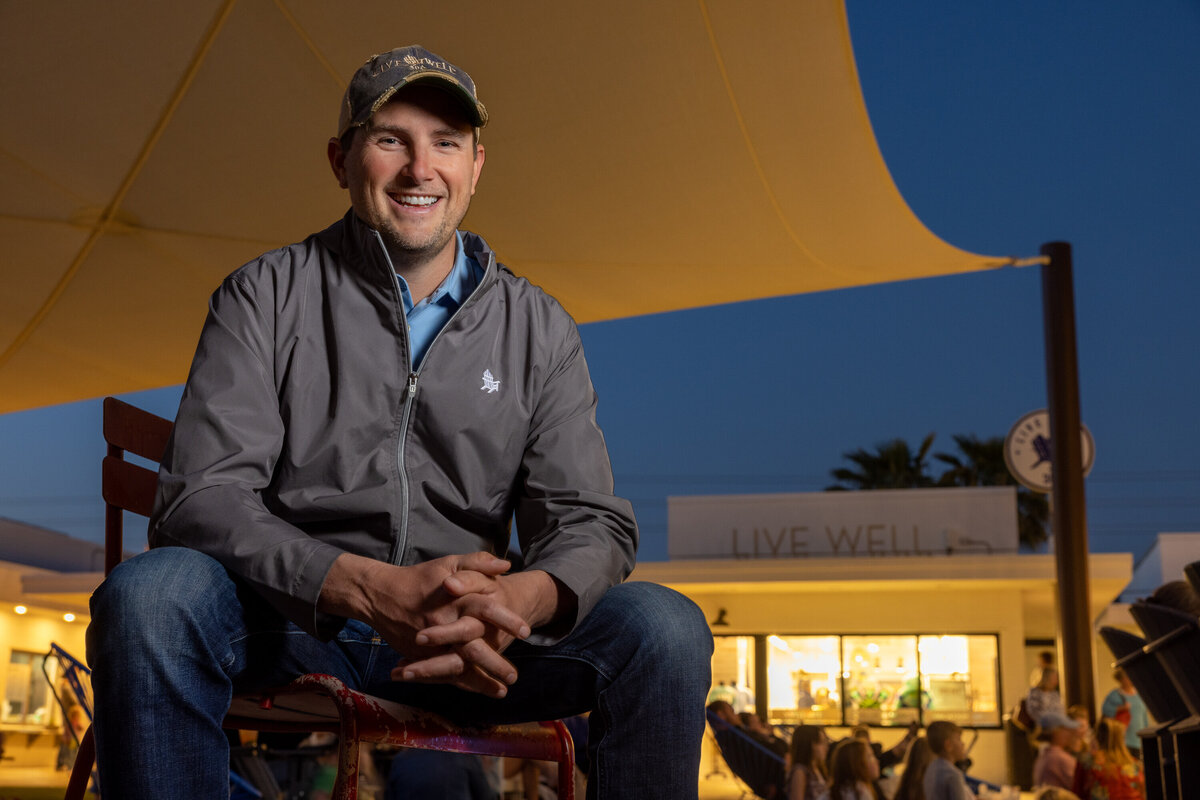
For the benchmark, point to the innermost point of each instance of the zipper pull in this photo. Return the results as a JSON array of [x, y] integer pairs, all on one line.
[[412, 385]]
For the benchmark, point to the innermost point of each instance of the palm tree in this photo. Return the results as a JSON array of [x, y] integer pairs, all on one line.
[[893, 465], [983, 465]]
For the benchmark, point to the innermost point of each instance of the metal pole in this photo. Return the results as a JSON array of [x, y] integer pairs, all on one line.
[[760, 679], [1070, 516]]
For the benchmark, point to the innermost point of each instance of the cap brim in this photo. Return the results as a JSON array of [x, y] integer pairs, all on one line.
[[475, 112]]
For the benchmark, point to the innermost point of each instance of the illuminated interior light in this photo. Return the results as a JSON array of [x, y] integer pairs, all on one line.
[[872, 648], [20, 609], [68, 617]]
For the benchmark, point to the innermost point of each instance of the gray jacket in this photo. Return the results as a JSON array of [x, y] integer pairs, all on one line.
[[303, 432]]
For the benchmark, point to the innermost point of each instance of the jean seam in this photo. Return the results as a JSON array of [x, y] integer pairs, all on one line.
[[601, 669]]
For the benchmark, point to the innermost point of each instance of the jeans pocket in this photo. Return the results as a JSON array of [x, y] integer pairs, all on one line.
[[358, 632]]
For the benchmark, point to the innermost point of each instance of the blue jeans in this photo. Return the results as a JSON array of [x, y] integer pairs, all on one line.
[[173, 637]]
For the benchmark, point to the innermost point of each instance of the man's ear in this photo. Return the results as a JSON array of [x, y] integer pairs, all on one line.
[[478, 167], [337, 161]]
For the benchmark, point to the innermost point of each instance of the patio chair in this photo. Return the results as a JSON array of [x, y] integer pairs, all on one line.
[[1147, 674], [311, 702], [1174, 637], [1162, 701], [754, 764], [1175, 643]]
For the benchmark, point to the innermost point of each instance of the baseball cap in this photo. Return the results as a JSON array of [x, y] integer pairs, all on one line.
[[1053, 719], [383, 75]]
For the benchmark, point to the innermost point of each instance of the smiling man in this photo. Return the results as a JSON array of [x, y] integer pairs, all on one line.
[[368, 412]]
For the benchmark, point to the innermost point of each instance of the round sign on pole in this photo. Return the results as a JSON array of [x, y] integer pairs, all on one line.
[[1028, 455]]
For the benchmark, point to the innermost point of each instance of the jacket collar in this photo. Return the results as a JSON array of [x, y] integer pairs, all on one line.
[[361, 244]]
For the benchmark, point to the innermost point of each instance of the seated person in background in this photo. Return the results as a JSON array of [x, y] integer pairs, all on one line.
[[1055, 766], [1107, 771], [943, 780], [724, 712], [761, 769], [893, 755], [761, 733], [1083, 734], [912, 780], [1044, 698], [854, 772], [886, 758], [807, 777], [1124, 705]]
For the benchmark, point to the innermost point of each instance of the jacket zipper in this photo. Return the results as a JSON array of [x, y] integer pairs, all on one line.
[[413, 376], [402, 542]]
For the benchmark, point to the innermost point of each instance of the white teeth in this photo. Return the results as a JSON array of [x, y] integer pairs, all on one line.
[[416, 200]]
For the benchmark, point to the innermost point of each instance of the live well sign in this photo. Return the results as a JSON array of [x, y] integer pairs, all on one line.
[[897, 522]]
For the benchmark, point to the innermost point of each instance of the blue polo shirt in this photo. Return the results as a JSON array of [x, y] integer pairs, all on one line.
[[427, 318]]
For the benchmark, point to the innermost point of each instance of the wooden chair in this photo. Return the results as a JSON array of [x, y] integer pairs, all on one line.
[[311, 702]]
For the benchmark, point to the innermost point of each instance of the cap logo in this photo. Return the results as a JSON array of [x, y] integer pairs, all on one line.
[[413, 62]]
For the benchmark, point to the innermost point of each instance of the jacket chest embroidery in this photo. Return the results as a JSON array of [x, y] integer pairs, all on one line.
[[490, 385]]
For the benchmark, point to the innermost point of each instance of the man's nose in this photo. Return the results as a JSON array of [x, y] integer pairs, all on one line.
[[419, 167]]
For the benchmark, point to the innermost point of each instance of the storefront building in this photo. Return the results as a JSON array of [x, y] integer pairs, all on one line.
[[34, 565], [875, 608]]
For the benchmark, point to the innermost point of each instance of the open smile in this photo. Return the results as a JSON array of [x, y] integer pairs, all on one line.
[[414, 200]]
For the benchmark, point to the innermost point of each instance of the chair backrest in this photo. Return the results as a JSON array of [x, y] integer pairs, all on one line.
[[1179, 653], [127, 486], [1156, 688], [757, 766], [1157, 620]]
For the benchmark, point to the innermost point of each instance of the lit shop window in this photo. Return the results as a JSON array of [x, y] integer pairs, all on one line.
[[733, 671], [861, 680], [881, 680], [958, 679], [802, 680], [27, 697]]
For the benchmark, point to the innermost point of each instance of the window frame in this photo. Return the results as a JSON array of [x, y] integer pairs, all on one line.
[[762, 693], [37, 678]]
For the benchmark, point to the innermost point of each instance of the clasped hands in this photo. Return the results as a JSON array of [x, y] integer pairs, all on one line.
[[451, 618]]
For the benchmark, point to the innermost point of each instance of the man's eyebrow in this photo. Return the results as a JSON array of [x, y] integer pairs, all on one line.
[[439, 133], [451, 133]]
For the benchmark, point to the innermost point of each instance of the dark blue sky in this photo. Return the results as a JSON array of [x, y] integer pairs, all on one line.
[[1005, 126]]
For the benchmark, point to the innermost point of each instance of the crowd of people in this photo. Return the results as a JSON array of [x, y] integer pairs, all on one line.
[[1074, 761], [816, 768]]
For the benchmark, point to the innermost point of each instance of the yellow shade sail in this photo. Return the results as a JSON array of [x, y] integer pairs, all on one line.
[[642, 157]]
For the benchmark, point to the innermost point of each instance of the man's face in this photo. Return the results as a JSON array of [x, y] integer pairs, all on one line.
[[955, 749], [411, 172], [1062, 736]]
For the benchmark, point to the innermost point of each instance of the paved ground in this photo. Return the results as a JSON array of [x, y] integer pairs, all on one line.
[[29, 783], [44, 784], [719, 787]]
